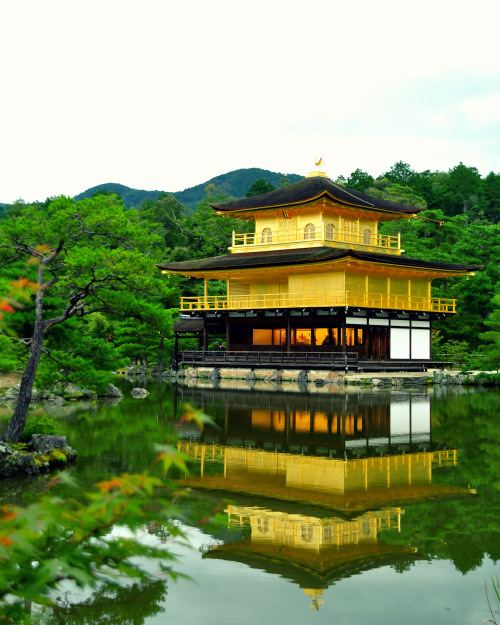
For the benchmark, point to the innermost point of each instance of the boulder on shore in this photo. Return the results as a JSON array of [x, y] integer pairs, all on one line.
[[13, 393], [112, 391], [47, 453]]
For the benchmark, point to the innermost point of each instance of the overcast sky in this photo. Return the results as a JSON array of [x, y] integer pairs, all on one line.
[[164, 95]]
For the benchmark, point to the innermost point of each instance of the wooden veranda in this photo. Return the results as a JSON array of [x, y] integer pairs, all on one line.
[[332, 361]]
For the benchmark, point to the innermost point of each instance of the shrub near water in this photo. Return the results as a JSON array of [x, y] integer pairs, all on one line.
[[39, 424]]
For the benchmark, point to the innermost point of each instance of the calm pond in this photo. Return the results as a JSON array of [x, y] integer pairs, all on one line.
[[346, 506]]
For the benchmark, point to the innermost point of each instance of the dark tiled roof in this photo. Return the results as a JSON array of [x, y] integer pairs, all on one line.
[[188, 325], [312, 188], [302, 257]]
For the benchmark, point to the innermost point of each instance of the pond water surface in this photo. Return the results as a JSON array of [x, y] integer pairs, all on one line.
[[345, 506]]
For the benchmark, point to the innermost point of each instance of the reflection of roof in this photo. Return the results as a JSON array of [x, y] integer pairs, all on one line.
[[312, 569], [312, 189], [265, 489], [253, 260]]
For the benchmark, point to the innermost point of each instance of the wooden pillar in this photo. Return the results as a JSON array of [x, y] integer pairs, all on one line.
[[204, 338], [205, 293], [228, 335], [344, 337], [226, 423], [288, 335], [287, 424]]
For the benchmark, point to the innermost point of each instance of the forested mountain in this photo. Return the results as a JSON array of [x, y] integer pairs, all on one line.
[[234, 183], [3, 207], [131, 197]]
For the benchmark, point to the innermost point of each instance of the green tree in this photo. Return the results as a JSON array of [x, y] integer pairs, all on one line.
[[210, 234], [259, 187], [167, 215], [401, 173], [359, 180], [462, 188], [146, 338], [395, 192], [490, 198], [86, 257], [488, 356]]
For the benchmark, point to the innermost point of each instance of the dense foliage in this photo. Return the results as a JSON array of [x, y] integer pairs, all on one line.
[[82, 259], [94, 539], [259, 187]]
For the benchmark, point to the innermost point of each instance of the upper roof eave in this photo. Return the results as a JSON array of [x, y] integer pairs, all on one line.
[[310, 190]]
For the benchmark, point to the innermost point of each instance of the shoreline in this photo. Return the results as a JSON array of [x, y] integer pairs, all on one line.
[[321, 378]]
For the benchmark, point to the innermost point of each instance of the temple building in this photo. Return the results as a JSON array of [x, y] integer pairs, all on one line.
[[317, 278]]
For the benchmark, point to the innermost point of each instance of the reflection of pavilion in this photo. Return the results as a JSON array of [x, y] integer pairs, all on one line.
[[349, 504], [329, 475], [312, 551], [343, 424], [344, 485]]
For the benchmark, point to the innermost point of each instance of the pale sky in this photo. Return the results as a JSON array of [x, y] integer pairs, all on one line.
[[165, 94]]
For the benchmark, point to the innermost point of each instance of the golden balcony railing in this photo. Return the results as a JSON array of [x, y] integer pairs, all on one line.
[[319, 235], [305, 300]]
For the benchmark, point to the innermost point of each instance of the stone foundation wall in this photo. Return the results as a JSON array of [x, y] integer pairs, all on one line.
[[207, 375]]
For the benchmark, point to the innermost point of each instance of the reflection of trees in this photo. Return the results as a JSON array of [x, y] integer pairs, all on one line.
[[128, 605], [465, 530], [116, 439], [470, 423]]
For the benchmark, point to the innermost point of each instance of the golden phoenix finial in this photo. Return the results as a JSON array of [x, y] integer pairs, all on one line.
[[320, 162]]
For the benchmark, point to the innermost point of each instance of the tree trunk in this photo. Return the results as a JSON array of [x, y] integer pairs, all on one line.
[[159, 362], [18, 421]]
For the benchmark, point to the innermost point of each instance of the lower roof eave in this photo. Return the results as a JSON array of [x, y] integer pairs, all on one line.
[[336, 311]]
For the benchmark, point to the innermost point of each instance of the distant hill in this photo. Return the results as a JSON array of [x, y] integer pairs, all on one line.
[[3, 208], [235, 183], [130, 197]]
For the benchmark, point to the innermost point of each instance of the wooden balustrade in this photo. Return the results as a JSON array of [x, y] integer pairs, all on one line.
[[318, 300], [319, 235]]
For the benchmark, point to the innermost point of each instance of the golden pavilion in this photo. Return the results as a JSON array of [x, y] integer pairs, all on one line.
[[317, 279]]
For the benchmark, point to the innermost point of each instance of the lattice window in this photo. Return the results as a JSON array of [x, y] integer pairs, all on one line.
[[350, 230], [287, 224], [367, 237], [307, 533], [330, 232], [309, 231], [263, 525], [267, 235]]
